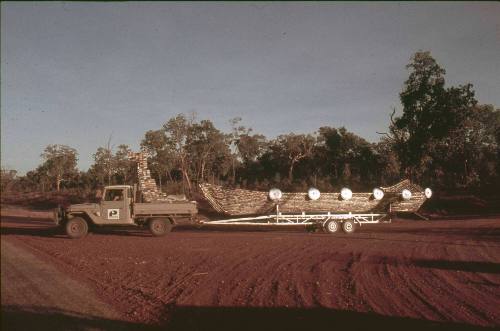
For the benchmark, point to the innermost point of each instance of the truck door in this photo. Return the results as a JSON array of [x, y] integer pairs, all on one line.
[[115, 206]]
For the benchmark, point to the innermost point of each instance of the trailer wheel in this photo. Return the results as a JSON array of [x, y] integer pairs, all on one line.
[[331, 226], [159, 227], [76, 228], [348, 226]]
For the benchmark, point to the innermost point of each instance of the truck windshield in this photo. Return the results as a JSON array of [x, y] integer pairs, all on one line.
[[114, 195]]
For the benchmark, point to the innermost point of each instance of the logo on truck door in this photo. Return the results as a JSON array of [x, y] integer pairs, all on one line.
[[113, 214]]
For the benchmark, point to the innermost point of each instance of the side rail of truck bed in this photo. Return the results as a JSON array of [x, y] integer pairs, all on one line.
[[165, 208]]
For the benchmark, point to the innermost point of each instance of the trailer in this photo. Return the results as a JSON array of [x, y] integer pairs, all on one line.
[[328, 222]]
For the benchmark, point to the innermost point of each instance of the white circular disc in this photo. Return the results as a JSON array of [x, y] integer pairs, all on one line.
[[313, 193], [378, 194], [406, 194], [428, 193], [346, 193], [275, 194]]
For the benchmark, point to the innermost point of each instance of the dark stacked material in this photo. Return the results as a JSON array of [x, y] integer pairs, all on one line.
[[237, 202]]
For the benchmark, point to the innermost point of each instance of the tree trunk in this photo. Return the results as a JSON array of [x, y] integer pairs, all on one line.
[[184, 170], [169, 175], [290, 171], [234, 171], [202, 171], [466, 179], [58, 182], [203, 165], [188, 181], [409, 173]]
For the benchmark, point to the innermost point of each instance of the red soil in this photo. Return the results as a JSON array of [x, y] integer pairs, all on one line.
[[443, 271]]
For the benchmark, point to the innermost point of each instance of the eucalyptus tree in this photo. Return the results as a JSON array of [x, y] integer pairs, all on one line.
[[431, 113], [59, 163]]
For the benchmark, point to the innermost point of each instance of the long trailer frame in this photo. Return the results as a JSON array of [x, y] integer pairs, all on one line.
[[302, 219], [318, 219]]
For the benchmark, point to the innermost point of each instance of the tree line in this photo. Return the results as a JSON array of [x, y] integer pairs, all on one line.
[[442, 138]]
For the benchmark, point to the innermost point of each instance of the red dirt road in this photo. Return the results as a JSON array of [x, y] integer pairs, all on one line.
[[432, 274]]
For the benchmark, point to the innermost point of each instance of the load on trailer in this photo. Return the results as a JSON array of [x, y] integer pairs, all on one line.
[[329, 211], [401, 197]]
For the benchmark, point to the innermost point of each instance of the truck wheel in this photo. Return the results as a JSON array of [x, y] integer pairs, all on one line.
[[77, 228], [331, 226], [159, 227], [348, 226]]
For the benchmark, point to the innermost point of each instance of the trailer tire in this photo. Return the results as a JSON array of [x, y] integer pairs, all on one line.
[[331, 226], [76, 228], [348, 226], [159, 226]]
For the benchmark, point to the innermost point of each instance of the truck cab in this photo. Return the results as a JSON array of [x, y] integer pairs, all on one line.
[[116, 204]]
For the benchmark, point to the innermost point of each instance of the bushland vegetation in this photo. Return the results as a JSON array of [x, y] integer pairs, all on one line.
[[441, 137]]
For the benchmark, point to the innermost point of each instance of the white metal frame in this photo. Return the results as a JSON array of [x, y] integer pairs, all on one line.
[[301, 219]]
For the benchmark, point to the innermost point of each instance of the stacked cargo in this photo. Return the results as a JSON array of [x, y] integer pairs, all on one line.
[[147, 185], [402, 197]]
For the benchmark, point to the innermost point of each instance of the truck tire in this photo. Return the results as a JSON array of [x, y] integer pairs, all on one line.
[[331, 226], [348, 226], [159, 226], [76, 228]]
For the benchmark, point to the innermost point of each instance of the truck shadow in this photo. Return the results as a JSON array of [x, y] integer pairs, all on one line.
[[59, 233], [41, 227], [223, 318]]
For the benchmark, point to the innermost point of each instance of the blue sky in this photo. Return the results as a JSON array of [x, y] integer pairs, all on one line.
[[76, 73]]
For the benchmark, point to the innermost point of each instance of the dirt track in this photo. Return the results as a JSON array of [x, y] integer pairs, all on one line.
[[436, 274], [32, 286]]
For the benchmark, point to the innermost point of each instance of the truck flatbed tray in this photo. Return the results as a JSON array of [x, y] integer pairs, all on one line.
[[167, 208]]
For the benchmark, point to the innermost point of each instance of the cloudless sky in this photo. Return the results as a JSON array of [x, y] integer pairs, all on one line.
[[76, 73]]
